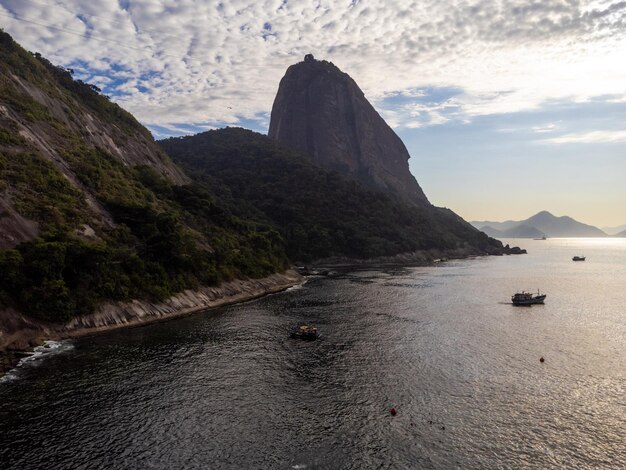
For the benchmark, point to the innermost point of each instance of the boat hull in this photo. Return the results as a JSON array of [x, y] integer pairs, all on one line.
[[527, 300]]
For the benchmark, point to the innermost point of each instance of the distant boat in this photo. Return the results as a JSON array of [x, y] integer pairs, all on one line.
[[527, 298], [578, 258], [542, 238], [306, 271], [306, 332]]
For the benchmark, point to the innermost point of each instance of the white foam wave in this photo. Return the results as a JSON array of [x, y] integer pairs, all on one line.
[[48, 348], [296, 287]]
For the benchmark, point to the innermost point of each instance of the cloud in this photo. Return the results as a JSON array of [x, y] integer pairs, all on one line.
[[210, 62], [550, 127], [594, 137]]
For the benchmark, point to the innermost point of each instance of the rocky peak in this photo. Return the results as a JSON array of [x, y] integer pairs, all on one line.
[[321, 111]]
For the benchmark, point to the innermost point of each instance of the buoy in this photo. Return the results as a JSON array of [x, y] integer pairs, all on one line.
[[393, 412], [541, 359]]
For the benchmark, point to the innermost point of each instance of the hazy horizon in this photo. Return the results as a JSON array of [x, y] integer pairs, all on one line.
[[507, 108]]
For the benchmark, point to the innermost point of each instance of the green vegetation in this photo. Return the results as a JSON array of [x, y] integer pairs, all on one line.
[[24, 104], [40, 192], [11, 137], [319, 213], [58, 82], [166, 239]]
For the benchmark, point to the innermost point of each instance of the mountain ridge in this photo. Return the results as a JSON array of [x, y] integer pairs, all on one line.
[[517, 231], [545, 223], [613, 230]]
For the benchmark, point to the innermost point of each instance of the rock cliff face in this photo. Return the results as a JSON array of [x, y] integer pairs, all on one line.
[[320, 111]]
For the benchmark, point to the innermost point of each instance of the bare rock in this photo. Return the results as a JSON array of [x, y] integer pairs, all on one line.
[[320, 111]]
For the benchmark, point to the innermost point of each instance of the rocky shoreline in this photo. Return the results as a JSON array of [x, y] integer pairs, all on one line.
[[415, 258], [20, 334]]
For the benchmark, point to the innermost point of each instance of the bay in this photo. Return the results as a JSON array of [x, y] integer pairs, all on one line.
[[228, 388]]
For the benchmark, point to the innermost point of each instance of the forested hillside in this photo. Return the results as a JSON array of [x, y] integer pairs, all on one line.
[[92, 210], [319, 213]]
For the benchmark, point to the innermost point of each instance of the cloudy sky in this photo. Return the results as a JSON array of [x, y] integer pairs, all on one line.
[[507, 107]]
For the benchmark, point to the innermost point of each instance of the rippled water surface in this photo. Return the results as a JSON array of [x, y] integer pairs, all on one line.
[[228, 388]]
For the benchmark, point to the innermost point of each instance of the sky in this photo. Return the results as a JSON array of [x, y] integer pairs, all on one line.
[[506, 107]]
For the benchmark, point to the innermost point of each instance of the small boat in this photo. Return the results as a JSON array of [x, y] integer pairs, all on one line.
[[306, 332], [578, 258], [542, 238], [527, 298]]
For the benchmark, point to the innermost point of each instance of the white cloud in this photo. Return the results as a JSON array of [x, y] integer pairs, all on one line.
[[550, 127], [594, 137], [207, 61]]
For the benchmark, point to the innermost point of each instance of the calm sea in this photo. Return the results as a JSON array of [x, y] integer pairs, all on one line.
[[228, 388]]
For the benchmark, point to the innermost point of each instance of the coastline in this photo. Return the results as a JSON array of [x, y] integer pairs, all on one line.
[[20, 334], [415, 258]]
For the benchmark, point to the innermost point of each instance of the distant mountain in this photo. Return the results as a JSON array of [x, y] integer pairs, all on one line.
[[563, 226], [543, 223], [621, 234], [492, 232], [518, 231], [614, 230], [499, 226]]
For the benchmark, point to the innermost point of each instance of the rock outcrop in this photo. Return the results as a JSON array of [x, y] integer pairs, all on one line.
[[320, 111]]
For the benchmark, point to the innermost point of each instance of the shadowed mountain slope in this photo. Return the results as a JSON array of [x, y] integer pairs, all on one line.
[[319, 212]]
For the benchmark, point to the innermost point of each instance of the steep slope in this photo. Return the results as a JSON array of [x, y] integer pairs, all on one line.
[[318, 212], [321, 112], [93, 210], [48, 119]]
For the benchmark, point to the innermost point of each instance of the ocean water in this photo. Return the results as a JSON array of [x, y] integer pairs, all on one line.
[[228, 388]]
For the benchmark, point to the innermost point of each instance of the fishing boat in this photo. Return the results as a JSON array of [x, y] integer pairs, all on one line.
[[528, 298], [578, 258]]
